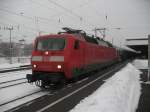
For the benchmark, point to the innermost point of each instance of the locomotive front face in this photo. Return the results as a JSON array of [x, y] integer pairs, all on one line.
[[48, 55]]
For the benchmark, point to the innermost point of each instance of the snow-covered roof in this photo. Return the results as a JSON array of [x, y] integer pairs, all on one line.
[[126, 48], [140, 41]]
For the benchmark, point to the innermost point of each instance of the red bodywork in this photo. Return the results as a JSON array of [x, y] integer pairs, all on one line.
[[85, 55]]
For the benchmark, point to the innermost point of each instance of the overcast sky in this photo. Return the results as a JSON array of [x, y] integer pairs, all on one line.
[[28, 17]]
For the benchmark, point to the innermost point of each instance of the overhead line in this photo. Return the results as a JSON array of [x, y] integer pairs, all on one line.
[[69, 11], [39, 4], [16, 24], [45, 20], [13, 13], [44, 6]]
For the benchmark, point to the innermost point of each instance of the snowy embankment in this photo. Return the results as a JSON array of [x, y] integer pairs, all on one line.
[[120, 93], [141, 64]]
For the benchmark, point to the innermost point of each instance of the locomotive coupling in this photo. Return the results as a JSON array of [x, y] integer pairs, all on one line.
[[30, 78]]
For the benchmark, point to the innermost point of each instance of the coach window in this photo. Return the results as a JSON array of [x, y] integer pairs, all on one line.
[[76, 44]]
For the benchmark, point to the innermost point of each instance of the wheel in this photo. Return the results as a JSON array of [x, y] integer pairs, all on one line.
[[44, 85], [61, 83]]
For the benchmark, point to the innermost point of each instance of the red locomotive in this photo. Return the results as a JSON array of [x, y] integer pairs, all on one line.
[[67, 55]]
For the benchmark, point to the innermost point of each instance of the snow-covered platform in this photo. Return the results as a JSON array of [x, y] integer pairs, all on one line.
[[121, 93], [144, 102]]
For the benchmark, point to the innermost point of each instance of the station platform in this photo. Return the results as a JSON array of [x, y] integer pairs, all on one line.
[[144, 102]]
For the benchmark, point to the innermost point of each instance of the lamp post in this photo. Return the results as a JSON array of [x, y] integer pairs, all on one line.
[[22, 42], [21, 50], [10, 43]]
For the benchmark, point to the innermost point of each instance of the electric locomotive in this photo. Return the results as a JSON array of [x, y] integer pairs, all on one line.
[[57, 58]]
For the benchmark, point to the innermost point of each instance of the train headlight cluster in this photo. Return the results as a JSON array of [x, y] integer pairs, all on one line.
[[34, 66], [46, 52], [59, 66]]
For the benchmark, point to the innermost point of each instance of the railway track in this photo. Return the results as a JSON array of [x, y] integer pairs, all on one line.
[[20, 98], [58, 99], [26, 67], [13, 78], [5, 106], [12, 83]]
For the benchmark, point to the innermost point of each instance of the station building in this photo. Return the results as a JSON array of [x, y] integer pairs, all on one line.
[[140, 45]]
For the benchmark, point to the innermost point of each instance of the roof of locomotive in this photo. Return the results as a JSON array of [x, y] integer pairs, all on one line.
[[64, 35], [79, 34], [68, 33]]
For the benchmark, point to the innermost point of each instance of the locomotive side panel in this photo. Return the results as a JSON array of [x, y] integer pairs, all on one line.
[[76, 58]]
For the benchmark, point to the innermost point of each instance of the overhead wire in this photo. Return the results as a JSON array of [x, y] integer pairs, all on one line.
[[40, 19], [49, 8], [48, 20], [17, 24], [62, 7], [16, 32], [82, 20], [6, 24], [44, 20], [41, 5]]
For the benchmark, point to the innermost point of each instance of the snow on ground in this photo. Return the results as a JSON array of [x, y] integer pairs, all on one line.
[[16, 92], [7, 65], [120, 93], [140, 64], [11, 93], [16, 62], [4, 77]]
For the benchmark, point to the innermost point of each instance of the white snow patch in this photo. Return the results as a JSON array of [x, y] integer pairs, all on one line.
[[14, 92], [22, 101], [120, 93], [4, 77], [140, 64], [7, 65], [16, 62], [15, 59]]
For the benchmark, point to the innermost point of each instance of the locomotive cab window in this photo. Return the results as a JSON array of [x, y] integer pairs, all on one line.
[[50, 44], [76, 44]]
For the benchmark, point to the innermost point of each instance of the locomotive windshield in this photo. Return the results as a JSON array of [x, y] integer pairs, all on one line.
[[50, 44]]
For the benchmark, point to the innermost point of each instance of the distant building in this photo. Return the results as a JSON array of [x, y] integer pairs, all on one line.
[[139, 44]]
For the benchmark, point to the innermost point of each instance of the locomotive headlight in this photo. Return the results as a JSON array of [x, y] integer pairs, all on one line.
[[34, 66], [46, 52], [59, 66]]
